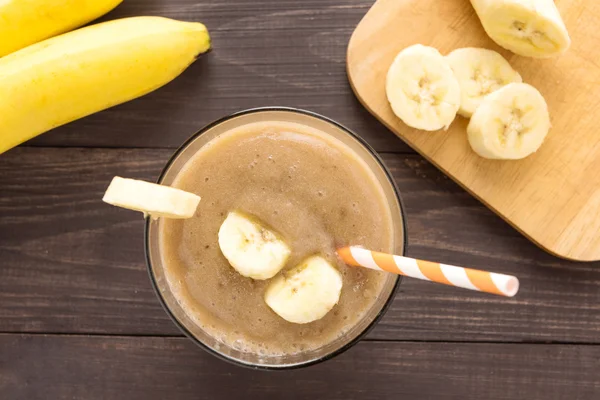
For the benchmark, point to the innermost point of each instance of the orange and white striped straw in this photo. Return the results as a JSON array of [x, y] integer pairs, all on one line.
[[482, 281]]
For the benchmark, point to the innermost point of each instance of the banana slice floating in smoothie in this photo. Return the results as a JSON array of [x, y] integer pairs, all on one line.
[[305, 293], [531, 28], [510, 123], [422, 89], [151, 198], [252, 250], [479, 73]]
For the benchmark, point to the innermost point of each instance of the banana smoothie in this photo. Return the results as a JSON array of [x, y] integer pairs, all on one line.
[[315, 194]]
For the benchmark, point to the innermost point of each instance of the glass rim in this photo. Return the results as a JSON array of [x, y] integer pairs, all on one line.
[[327, 356]]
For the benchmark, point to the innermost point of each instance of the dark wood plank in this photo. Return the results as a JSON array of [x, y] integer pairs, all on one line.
[[266, 53], [70, 263], [51, 367]]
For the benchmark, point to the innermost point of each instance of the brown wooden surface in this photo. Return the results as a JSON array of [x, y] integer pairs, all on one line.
[[172, 368], [74, 264], [78, 318], [265, 53], [552, 196]]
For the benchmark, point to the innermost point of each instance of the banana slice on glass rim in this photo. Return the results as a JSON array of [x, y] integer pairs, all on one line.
[[422, 89], [151, 198], [511, 123], [531, 28], [252, 249], [479, 72], [305, 293]]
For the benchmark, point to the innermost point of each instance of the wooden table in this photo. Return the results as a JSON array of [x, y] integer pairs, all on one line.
[[79, 319]]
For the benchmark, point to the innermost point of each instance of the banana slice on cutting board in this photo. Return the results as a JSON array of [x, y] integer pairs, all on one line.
[[479, 73], [510, 123], [422, 89], [150, 198], [252, 250], [531, 28], [305, 293]]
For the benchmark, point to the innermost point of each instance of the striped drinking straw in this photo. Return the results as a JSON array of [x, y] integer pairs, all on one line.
[[482, 281]]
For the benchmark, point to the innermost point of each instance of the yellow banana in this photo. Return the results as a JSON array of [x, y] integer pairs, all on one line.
[[510, 123], [79, 73], [24, 22], [252, 249], [479, 72], [422, 89], [305, 293], [530, 28], [151, 199]]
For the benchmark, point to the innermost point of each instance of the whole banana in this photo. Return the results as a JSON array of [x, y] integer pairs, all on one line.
[[24, 22], [531, 28], [79, 73]]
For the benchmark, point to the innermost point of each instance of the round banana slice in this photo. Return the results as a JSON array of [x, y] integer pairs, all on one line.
[[305, 293], [510, 123], [479, 73], [531, 28], [252, 250], [150, 198], [422, 89]]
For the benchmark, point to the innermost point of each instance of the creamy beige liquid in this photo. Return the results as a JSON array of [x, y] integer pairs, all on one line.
[[309, 187]]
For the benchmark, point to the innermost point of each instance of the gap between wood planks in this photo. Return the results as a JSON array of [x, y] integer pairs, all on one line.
[[120, 335], [41, 146]]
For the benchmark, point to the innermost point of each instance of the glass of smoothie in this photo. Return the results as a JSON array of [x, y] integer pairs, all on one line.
[[315, 183]]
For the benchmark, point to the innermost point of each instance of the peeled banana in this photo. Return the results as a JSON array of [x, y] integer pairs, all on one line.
[[24, 22], [307, 292], [531, 28], [510, 123], [252, 249], [422, 89], [81, 72], [150, 198], [479, 73]]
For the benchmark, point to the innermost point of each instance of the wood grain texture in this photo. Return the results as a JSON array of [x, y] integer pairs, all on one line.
[[72, 264], [174, 368], [265, 53], [552, 196]]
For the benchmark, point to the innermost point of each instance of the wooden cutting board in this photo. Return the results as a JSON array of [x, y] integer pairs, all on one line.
[[553, 196]]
